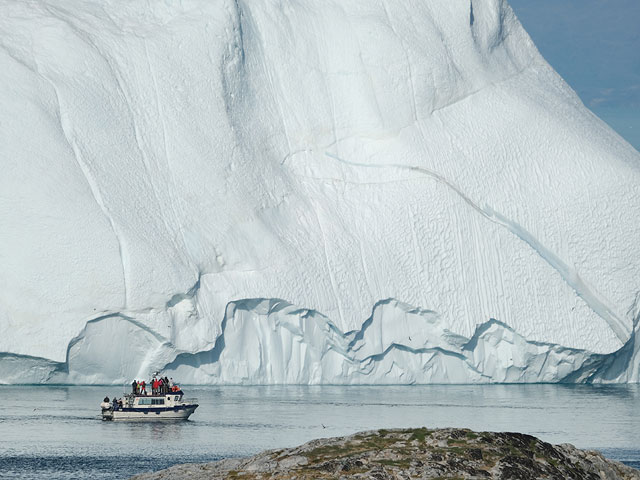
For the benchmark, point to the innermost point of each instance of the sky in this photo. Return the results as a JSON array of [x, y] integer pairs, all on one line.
[[595, 46]]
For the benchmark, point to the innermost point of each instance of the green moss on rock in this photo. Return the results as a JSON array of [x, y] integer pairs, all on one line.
[[414, 453]]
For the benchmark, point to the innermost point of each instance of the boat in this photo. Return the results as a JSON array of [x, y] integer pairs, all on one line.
[[170, 405]]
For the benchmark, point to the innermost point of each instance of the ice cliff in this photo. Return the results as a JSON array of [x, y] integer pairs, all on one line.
[[269, 191]]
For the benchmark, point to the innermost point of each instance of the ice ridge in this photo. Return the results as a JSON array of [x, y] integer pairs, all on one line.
[[270, 341]]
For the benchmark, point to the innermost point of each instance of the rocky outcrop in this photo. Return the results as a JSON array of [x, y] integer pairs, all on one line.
[[415, 453]]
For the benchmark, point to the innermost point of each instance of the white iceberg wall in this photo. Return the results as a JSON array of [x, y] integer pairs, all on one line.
[[164, 162], [269, 341]]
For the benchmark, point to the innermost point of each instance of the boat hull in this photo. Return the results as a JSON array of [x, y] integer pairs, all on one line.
[[149, 414]]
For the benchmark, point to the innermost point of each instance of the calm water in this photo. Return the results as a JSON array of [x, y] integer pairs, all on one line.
[[56, 433]]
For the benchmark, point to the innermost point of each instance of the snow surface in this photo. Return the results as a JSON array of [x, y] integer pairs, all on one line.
[[277, 191]]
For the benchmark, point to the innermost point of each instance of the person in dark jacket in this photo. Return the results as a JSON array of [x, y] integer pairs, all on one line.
[[134, 387], [115, 403]]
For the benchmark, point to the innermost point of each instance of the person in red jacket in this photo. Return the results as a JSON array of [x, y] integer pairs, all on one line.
[[143, 388]]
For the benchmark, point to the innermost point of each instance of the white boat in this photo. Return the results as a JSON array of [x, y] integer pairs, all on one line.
[[165, 406]]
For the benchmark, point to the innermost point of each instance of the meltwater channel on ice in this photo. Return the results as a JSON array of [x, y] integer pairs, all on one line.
[[339, 192]]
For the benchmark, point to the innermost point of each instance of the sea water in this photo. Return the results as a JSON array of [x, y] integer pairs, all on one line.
[[55, 432]]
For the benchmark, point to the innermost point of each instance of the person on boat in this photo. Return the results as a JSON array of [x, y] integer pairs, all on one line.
[[166, 385], [120, 403], [115, 403], [161, 385], [143, 388], [171, 384], [134, 387]]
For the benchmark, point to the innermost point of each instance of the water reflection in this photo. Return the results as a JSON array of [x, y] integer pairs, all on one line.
[[157, 432]]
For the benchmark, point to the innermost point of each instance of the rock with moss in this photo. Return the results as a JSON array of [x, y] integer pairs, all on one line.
[[413, 454]]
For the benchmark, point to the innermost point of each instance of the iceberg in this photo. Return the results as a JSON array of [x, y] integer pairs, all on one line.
[[287, 192]]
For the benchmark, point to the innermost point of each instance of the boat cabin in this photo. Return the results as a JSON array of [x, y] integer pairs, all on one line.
[[135, 406]]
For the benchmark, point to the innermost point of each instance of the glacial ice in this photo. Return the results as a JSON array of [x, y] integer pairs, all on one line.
[[289, 192]]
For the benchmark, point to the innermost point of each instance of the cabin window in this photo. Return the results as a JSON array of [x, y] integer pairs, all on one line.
[[151, 401], [175, 398]]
